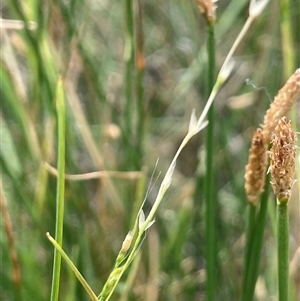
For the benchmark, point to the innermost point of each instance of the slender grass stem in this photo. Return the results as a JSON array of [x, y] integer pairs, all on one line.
[[251, 214], [210, 215], [256, 245], [60, 105], [236, 43], [140, 65], [283, 251], [129, 67]]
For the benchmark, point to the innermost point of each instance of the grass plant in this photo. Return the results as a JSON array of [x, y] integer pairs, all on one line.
[[60, 192], [102, 90]]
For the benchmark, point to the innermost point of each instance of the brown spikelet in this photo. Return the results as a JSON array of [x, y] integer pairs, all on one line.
[[281, 105], [256, 168], [207, 9], [282, 163]]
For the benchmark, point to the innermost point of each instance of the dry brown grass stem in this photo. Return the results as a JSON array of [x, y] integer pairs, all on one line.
[[281, 105], [256, 168], [127, 175], [283, 156], [17, 24]]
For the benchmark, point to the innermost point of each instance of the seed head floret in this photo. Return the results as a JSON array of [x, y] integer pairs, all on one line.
[[207, 9], [282, 160], [281, 105], [256, 168]]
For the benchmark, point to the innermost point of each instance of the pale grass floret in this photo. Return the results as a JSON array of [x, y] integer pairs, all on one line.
[[256, 7], [127, 242], [195, 126]]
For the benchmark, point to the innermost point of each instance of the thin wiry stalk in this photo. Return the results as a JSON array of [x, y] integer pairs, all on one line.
[[60, 104], [209, 190], [256, 245], [129, 75], [140, 65], [283, 251], [254, 184], [251, 219]]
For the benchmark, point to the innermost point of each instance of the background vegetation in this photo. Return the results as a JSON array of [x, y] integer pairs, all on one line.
[[130, 89]]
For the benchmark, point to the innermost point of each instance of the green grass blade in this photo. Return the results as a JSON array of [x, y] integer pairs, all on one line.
[[73, 268], [60, 106]]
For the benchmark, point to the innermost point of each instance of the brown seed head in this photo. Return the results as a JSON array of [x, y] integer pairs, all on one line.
[[207, 9], [256, 168], [282, 163], [281, 105]]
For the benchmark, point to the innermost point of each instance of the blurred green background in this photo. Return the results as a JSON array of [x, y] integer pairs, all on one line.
[[126, 107]]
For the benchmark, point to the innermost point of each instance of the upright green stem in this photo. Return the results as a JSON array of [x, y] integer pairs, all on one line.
[[251, 215], [129, 75], [210, 215], [283, 251], [60, 105], [140, 65], [256, 245]]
